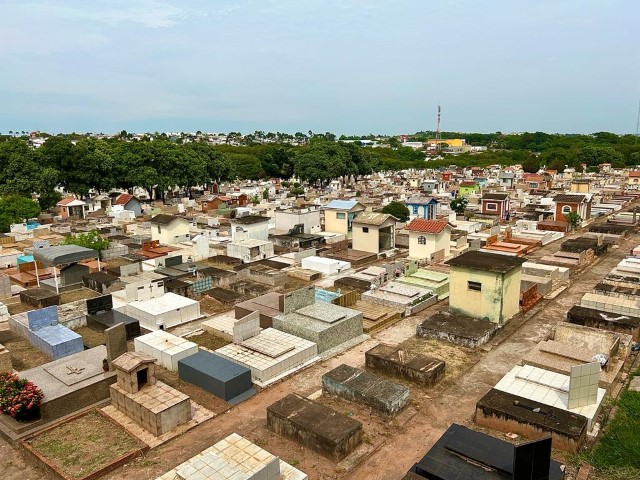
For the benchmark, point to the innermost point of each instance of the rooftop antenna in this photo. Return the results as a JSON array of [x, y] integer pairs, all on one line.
[[638, 122], [438, 133]]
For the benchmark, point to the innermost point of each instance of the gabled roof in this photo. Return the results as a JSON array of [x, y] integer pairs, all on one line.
[[123, 199], [129, 361], [163, 219], [495, 196], [568, 198], [468, 183], [427, 226], [420, 200], [372, 218], [70, 202], [342, 204]]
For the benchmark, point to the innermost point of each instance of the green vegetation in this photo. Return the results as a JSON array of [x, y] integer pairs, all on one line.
[[159, 163], [573, 219], [14, 209], [616, 455], [458, 205], [90, 239], [398, 210]]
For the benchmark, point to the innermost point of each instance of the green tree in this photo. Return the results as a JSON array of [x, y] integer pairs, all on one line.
[[531, 164], [90, 239], [14, 209], [573, 219], [398, 210], [458, 205], [255, 199], [593, 156], [265, 194]]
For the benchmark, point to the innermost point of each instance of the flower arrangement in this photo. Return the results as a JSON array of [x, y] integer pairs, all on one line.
[[19, 397]]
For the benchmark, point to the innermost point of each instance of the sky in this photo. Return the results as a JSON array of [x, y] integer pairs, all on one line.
[[352, 67]]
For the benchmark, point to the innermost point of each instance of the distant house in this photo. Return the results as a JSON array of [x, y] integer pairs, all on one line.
[[496, 204], [633, 180], [374, 232], [214, 202], [422, 207], [339, 215], [169, 229], [567, 203], [430, 186], [128, 202], [253, 227], [468, 187], [238, 199], [506, 179], [429, 238], [71, 207]]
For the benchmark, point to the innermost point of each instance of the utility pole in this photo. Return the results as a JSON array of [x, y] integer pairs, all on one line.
[[439, 134]]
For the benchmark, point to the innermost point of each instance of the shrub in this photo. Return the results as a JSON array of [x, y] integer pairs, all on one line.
[[18, 396]]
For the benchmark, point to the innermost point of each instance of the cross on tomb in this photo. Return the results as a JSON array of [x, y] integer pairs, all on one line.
[[74, 370]]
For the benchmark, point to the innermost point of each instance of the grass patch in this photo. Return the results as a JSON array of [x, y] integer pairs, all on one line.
[[616, 455], [208, 340], [84, 445]]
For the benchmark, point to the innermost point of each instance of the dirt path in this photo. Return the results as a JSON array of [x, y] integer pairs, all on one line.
[[457, 404], [396, 447]]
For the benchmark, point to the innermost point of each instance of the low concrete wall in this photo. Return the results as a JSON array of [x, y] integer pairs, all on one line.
[[323, 430], [366, 388], [396, 362]]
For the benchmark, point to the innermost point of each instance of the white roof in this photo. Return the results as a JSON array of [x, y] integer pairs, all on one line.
[[163, 304]]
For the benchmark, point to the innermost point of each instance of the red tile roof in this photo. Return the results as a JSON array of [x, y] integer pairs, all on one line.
[[634, 173], [123, 199], [65, 201], [427, 226]]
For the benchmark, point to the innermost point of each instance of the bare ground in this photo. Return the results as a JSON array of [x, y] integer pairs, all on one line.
[[394, 448]]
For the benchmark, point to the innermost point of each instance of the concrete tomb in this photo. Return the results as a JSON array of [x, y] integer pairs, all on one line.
[[366, 388], [165, 347], [397, 362], [314, 426], [456, 328], [101, 315], [71, 383], [217, 375], [234, 458], [462, 453], [325, 324], [43, 331], [601, 319], [151, 404]]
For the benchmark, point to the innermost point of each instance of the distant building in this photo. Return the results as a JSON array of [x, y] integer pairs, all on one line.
[[374, 232], [339, 215], [422, 207], [429, 238], [496, 204]]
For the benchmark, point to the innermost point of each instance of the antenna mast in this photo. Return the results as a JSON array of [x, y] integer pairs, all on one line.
[[438, 133], [638, 122]]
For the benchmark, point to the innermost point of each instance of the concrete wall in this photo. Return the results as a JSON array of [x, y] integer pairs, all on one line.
[[434, 243], [285, 220], [334, 224], [73, 315], [498, 301], [367, 242]]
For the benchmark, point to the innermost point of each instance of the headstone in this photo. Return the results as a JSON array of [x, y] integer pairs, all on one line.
[[43, 317], [116, 340]]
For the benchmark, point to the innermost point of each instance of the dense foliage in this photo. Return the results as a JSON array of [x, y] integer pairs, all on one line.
[[398, 210], [161, 164], [14, 209], [91, 239]]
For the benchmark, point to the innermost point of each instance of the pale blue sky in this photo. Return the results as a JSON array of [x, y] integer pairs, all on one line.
[[343, 66]]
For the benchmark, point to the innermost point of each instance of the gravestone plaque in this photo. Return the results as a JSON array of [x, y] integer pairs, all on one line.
[[116, 340]]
